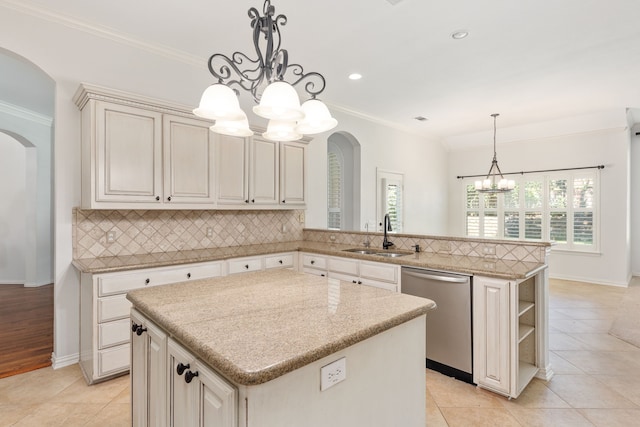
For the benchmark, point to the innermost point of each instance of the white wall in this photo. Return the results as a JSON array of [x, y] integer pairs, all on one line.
[[635, 201], [12, 210], [608, 146], [422, 161]]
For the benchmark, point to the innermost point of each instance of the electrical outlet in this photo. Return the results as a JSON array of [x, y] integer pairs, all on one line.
[[284, 228], [301, 218], [111, 236], [332, 237], [333, 373], [209, 232], [489, 250]]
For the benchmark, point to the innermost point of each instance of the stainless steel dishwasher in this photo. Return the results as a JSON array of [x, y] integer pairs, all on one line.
[[449, 338]]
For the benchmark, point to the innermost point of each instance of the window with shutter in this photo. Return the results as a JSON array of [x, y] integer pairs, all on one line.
[[334, 190], [560, 207]]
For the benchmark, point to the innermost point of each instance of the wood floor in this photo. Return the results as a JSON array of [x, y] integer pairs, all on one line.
[[26, 328]]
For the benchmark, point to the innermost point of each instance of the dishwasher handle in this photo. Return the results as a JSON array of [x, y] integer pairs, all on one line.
[[437, 277]]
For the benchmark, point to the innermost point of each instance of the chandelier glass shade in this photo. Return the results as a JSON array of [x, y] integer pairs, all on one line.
[[271, 81], [494, 182]]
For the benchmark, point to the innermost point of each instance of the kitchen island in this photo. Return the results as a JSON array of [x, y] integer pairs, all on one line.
[[253, 348]]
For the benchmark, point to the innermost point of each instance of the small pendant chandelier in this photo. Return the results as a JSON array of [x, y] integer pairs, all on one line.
[[495, 182], [264, 78]]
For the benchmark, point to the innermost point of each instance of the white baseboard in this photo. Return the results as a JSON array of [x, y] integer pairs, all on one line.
[[61, 362], [590, 280]]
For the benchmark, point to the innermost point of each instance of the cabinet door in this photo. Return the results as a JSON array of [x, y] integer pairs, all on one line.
[[181, 394], [491, 341], [264, 172], [232, 163], [217, 399], [148, 373], [188, 161], [128, 154], [292, 176]]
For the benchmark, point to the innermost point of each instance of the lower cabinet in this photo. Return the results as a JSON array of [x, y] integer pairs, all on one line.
[[197, 395], [148, 373], [377, 274], [505, 353], [104, 313]]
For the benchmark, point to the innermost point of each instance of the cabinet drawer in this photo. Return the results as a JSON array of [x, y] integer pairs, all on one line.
[[344, 277], [314, 261], [113, 307], [378, 271], [113, 333], [378, 284], [244, 265], [315, 272], [117, 283], [343, 265], [114, 360], [279, 261]]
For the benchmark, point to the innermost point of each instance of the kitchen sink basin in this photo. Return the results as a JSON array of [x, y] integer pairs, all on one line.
[[364, 251], [391, 254], [361, 251]]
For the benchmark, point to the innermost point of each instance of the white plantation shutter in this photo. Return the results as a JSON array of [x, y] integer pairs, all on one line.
[[334, 191], [560, 206], [392, 194]]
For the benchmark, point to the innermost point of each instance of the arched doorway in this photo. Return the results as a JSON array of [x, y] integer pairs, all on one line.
[[27, 100], [343, 181]]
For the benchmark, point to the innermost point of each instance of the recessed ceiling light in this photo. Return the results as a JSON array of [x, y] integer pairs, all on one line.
[[459, 35], [421, 118], [355, 76]]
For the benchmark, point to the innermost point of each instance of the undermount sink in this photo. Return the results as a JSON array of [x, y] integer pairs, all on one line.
[[361, 251], [391, 254], [374, 252]]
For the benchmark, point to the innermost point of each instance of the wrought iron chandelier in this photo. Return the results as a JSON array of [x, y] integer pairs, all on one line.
[[264, 77], [491, 184]]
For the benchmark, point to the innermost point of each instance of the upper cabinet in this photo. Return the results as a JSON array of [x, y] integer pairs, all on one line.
[[259, 173], [140, 153]]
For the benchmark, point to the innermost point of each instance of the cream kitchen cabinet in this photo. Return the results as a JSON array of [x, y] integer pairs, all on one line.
[[197, 395], [104, 313], [378, 274], [148, 373], [139, 154], [259, 173], [506, 345], [261, 262]]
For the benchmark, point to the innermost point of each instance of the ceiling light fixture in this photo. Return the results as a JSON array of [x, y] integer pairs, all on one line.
[[459, 35], [355, 76], [491, 184], [264, 77]]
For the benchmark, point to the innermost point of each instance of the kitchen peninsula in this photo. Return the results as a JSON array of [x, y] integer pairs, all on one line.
[[250, 350]]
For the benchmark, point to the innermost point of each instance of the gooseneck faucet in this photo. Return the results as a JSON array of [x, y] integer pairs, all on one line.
[[386, 243]]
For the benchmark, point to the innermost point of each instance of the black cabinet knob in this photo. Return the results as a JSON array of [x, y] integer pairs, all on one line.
[[280, 261], [134, 327], [169, 198], [359, 282], [353, 281], [157, 198], [189, 376], [322, 275], [312, 262], [188, 275], [284, 201], [146, 282], [253, 200], [246, 266], [246, 201], [181, 368], [140, 330]]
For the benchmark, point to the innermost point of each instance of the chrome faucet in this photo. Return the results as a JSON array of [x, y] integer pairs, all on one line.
[[386, 243]]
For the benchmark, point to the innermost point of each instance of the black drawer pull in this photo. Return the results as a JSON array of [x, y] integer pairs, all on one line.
[[189, 376], [181, 368], [188, 275], [134, 327], [146, 282], [140, 330]]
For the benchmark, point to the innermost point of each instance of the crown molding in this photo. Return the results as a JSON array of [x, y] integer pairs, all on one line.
[[25, 114], [102, 31]]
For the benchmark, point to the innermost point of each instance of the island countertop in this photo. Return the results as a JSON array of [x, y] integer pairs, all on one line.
[[255, 327]]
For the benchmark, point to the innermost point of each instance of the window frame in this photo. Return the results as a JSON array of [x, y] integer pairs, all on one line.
[[570, 176]]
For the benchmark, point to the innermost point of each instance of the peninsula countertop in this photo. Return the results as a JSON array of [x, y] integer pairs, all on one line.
[[491, 267], [255, 327]]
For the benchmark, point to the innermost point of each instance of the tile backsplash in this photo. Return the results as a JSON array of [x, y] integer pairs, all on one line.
[[138, 232]]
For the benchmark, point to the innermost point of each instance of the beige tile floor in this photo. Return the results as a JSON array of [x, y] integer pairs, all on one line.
[[597, 381]]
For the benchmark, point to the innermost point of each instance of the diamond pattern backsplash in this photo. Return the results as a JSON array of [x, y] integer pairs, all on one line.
[[142, 232]]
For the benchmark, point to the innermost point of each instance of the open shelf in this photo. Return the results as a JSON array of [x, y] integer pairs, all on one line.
[[524, 306], [526, 371], [524, 331]]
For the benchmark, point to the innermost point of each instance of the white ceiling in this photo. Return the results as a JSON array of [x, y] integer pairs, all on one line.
[[530, 60]]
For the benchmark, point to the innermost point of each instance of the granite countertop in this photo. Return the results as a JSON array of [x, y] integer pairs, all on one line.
[[502, 269], [255, 327]]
